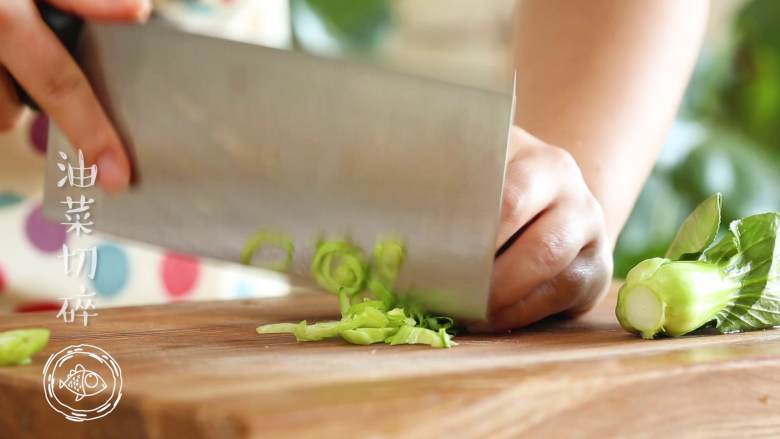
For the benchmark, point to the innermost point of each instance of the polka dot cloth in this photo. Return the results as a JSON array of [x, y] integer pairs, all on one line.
[[179, 274], [242, 290], [113, 270], [38, 306], [31, 264], [39, 133], [46, 236], [2, 280], [8, 199]]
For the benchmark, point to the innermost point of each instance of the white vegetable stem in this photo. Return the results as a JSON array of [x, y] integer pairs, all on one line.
[[644, 311], [674, 297]]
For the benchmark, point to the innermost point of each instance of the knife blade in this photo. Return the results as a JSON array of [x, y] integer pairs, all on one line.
[[228, 138]]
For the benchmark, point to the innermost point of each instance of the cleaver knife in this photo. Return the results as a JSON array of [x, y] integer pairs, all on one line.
[[228, 138]]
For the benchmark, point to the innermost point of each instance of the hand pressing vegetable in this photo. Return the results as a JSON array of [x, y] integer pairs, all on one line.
[[553, 251], [19, 345], [730, 284], [341, 267]]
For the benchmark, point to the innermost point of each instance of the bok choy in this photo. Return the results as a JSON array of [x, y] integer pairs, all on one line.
[[19, 345], [729, 283], [372, 316]]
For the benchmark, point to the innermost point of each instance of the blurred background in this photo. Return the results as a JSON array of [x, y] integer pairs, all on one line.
[[726, 137]]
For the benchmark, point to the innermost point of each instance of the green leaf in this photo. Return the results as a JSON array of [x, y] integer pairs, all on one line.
[[355, 24], [19, 345], [756, 262], [698, 230], [733, 286]]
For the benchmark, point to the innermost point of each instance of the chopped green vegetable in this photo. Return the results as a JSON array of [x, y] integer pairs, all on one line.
[[389, 255], [731, 284], [339, 266], [19, 345], [416, 335], [398, 317], [318, 331], [277, 328], [264, 239], [367, 335], [344, 303]]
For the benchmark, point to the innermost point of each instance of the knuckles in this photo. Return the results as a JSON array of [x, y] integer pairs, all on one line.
[[510, 199], [553, 248], [588, 278], [564, 160], [60, 88]]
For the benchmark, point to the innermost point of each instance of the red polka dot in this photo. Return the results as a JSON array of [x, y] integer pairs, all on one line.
[[2, 280], [45, 235], [179, 274], [39, 133], [38, 306]]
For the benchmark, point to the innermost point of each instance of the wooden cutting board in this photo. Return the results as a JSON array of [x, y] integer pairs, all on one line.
[[199, 370]]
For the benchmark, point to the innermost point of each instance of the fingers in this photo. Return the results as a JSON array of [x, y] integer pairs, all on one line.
[[594, 276], [106, 10], [61, 89], [10, 107], [527, 191], [544, 250], [551, 255], [578, 288]]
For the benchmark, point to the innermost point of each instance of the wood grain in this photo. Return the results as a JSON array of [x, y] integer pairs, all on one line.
[[195, 370]]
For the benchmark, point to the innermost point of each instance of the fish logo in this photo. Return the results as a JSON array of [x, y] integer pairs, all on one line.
[[82, 382], [90, 375]]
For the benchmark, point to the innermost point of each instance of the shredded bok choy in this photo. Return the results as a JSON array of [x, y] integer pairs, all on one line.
[[374, 317], [19, 345]]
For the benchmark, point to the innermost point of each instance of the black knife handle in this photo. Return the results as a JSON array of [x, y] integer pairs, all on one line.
[[67, 27]]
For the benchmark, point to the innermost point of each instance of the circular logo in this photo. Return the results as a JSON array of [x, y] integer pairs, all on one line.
[[82, 382]]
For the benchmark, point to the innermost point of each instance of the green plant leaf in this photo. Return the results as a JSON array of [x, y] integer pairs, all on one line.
[[733, 286], [756, 262], [698, 231]]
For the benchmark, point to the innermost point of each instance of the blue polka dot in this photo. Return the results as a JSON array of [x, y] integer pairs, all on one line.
[[243, 290], [9, 199], [112, 270]]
